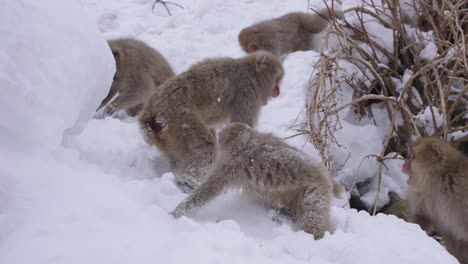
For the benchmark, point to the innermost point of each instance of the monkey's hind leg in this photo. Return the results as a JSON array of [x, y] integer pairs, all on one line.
[[198, 145], [313, 211]]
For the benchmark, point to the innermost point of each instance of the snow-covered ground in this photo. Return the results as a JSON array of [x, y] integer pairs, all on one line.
[[79, 190]]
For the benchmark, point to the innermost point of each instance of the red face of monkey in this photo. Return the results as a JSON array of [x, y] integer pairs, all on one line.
[[275, 92], [407, 166], [251, 48]]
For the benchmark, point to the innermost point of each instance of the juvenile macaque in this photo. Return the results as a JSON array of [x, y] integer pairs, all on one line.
[[438, 192], [139, 71], [177, 117], [288, 33], [271, 171]]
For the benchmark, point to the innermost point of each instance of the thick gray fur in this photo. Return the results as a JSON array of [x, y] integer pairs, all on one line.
[[270, 170], [438, 193], [291, 32], [178, 116]]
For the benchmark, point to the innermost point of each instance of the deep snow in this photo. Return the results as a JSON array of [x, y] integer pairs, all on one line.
[[97, 193]]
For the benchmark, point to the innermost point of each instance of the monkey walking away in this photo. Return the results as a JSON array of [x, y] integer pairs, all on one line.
[[178, 116], [288, 33], [139, 71], [271, 171], [438, 192]]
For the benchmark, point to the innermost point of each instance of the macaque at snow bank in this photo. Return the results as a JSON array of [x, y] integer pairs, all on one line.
[[139, 71], [271, 171], [438, 192]]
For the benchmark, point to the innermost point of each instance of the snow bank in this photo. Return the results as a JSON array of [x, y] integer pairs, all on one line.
[[54, 68], [86, 209]]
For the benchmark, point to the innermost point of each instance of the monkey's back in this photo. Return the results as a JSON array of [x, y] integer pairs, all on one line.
[[285, 30], [141, 59], [294, 30], [279, 171], [208, 89]]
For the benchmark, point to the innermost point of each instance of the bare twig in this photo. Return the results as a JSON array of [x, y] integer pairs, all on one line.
[[165, 3], [439, 83]]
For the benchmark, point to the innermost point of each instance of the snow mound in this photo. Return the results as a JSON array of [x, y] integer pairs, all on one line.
[[54, 68]]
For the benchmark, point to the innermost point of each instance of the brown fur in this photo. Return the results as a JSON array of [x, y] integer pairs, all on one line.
[[285, 34], [397, 207], [177, 117], [271, 171], [438, 192], [139, 71]]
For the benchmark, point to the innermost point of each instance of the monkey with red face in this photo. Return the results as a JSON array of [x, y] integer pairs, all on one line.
[[438, 192], [178, 116]]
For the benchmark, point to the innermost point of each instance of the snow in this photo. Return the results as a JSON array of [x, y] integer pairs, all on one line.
[[429, 52], [80, 190], [426, 117], [56, 93]]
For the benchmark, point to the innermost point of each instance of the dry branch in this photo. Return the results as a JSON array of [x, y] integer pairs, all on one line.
[[440, 82]]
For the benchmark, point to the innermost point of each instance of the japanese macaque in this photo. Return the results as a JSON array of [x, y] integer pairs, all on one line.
[[139, 71], [438, 192], [271, 171], [288, 33], [177, 117]]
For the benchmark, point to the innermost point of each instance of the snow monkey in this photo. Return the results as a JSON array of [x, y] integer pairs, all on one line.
[[288, 33], [179, 114], [438, 192], [271, 171], [140, 70]]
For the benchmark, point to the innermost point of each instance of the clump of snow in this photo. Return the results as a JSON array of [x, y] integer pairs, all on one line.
[[426, 116], [429, 52], [54, 68], [105, 197]]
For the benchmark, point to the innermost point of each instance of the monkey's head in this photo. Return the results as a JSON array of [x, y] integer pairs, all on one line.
[[252, 39], [233, 134], [428, 156], [268, 72], [120, 97]]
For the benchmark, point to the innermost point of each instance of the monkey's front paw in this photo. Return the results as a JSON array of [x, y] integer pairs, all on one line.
[[284, 216], [176, 213]]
